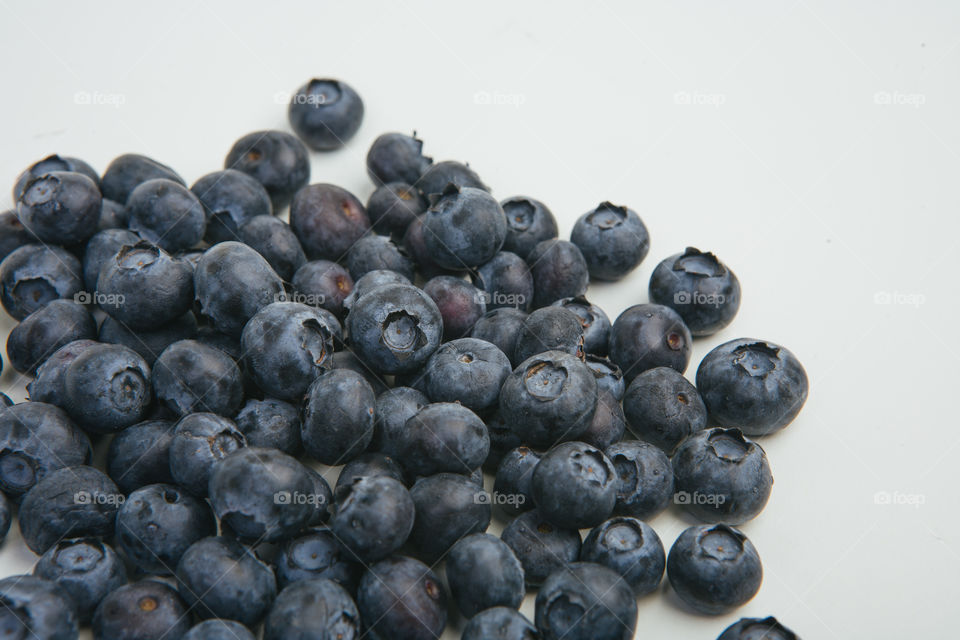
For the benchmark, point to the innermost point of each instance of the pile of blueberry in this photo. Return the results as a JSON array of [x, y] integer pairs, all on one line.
[[224, 365]]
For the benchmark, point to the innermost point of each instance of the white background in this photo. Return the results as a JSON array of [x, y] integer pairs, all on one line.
[[814, 146]]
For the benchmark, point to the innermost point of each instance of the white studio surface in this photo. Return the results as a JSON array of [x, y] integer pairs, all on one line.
[[814, 146]]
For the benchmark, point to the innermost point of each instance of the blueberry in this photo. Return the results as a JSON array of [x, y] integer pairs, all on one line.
[[393, 206], [102, 248], [720, 476], [392, 410], [500, 327], [140, 610], [230, 345], [278, 161], [499, 623], [768, 628], [608, 375], [548, 398], [35, 274], [468, 371], [325, 113], [529, 222], [507, 281], [313, 609], [6, 516], [337, 416], [217, 629], [646, 336], [375, 252], [703, 290], [373, 518], [199, 441], [559, 271], [47, 385], [346, 359], [13, 235], [285, 347], [140, 455], [36, 439], [149, 344], [755, 385], [586, 601], [436, 177], [232, 283], [271, 423], [663, 408], [549, 329], [125, 173], [448, 506], [144, 287], [608, 423], [316, 554], [220, 578], [45, 330], [416, 247], [443, 436], [36, 608], [595, 323], [460, 304], [190, 377], [322, 498], [482, 573], [167, 214], [464, 227], [327, 219], [371, 464], [402, 598], [273, 239], [70, 502], [322, 283], [644, 478], [395, 157], [631, 548], [511, 485], [714, 568], [395, 328], [107, 388], [86, 569], [574, 485], [370, 281], [51, 164], [113, 215], [229, 199], [60, 207], [541, 547], [613, 240]]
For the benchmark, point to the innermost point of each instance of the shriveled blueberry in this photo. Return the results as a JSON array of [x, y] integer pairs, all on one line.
[[548, 398], [768, 628], [60, 207], [190, 377], [468, 371], [369, 464], [448, 506], [102, 248], [50, 164], [663, 408], [45, 330], [574, 485], [464, 227], [755, 385], [392, 410], [613, 240], [549, 329], [595, 323], [271, 423], [140, 455], [500, 327], [507, 281], [436, 177], [646, 336], [608, 423], [107, 388], [87, 569], [608, 375], [541, 547], [373, 252], [276, 159], [47, 385], [483, 572], [144, 287], [511, 485], [586, 601], [157, 523], [322, 283], [35, 607], [125, 173], [327, 219], [273, 239], [316, 554], [644, 478], [396, 157], [313, 609], [35, 274], [559, 271], [217, 629], [499, 623], [13, 235], [720, 476], [199, 441], [232, 283], [703, 290], [529, 222], [337, 416], [714, 568], [220, 578], [460, 303], [166, 213], [402, 598], [392, 207], [325, 113], [443, 436], [373, 518], [229, 199], [149, 344], [70, 502], [631, 548]]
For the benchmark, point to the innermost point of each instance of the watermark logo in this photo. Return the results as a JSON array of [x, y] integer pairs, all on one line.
[[699, 298], [99, 98], [99, 299], [312, 299], [699, 98], [898, 99], [295, 497], [898, 498], [685, 497], [496, 98], [501, 299], [285, 97], [88, 498], [899, 298], [511, 499]]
